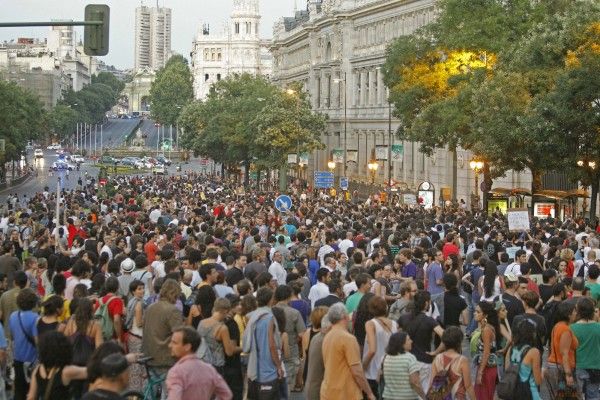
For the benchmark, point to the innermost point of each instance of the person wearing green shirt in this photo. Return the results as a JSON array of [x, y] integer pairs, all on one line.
[[592, 281], [363, 283], [587, 359]]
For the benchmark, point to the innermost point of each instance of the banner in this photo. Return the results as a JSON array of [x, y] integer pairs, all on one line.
[[303, 158], [352, 156], [398, 152], [292, 158], [338, 156], [381, 153]]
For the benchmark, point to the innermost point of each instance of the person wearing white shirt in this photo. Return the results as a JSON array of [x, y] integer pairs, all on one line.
[[347, 243], [515, 267], [276, 269], [321, 289], [326, 249]]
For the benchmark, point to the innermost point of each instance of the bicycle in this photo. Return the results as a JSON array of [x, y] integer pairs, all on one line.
[[153, 388]]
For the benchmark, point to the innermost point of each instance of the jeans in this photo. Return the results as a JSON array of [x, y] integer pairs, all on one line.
[[21, 387], [590, 390], [471, 304]]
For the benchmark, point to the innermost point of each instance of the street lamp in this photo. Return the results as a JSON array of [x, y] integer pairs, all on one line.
[[476, 166], [345, 122], [331, 165], [373, 167]]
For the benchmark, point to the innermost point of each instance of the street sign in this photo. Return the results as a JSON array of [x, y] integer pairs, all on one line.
[[324, 179], [343, 183], [283, 203]]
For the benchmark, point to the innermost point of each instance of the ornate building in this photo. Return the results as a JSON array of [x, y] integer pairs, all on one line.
[[237, 49], [335, 50]]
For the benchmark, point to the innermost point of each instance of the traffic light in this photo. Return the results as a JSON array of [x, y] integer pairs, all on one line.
[[95, 37]]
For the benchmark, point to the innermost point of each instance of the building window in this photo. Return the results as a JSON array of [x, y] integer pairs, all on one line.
[[219, 54], [218, 77], [205, 77], [237, 28]]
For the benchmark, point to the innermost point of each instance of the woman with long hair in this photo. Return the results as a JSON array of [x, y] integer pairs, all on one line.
[[85, 335], [135, 325], [505, 336], [361, 316], [490, 284], [456, 365], [52, 310], [203, 305], [568, 255], [536, 259], [486, 359], [54, 373], [525, 354]]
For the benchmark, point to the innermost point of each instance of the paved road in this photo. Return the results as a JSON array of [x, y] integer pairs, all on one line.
[[114, 133]]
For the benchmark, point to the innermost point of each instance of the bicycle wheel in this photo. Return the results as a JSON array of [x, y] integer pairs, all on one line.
[[133, 395]]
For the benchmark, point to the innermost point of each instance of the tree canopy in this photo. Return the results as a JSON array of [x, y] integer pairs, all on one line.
[[246, 118], [171, 91], [484, 74]]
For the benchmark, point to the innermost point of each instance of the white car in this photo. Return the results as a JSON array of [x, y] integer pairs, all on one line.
[[54, 146], [159, 170], [76, 158], [38, 153], [62, 165]]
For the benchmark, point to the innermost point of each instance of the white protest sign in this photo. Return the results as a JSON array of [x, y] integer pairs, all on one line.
[[518, 219]]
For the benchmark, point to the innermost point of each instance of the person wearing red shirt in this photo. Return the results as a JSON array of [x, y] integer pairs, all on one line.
[[72, 231], [116, 307], [450, 247], [151, 248]]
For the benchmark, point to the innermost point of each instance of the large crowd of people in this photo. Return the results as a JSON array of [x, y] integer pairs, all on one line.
[[190, 288]]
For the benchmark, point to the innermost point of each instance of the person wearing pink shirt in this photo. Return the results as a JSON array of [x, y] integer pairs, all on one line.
[[191, 378]]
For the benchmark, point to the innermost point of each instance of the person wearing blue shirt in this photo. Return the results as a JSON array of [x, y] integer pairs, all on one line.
[[435, 273], [23, 329], [3, 348]]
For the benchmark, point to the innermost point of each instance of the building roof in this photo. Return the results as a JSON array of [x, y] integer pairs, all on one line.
[[301, 17]]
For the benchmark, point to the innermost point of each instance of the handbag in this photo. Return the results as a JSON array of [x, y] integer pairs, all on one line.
[[564, 391], [262, 390]]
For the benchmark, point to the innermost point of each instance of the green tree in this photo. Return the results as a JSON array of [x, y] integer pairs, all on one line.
[[110, 80], [286, 125], [490, 108], [63, 120], [171, 91], [22, 118], [247, 119]]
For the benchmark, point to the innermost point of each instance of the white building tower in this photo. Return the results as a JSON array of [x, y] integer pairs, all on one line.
[[237, 49]]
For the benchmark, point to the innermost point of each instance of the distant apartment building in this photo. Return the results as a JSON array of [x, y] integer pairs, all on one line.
[[152, 37]]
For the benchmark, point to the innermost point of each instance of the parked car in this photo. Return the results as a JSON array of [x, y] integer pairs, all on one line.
[[129, 161], [108, 160], [54, 146], [159, 169], [163, 160], [77, 158], [62, 165], [38, 153]]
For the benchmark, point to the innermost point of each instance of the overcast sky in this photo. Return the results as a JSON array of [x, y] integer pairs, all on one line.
[[187, 16]]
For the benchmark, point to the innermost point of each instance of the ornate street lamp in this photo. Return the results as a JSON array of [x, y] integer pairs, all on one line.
[[373, 167], [476, 166]]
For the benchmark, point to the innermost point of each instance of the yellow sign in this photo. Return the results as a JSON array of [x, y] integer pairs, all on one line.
[[202, 196]]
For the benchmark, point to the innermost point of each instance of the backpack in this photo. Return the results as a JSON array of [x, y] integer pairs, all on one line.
[[420, 274], [106, 322], [441, 385], [511, 387]]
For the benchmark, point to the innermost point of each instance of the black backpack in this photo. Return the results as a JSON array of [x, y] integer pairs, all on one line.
[[511, 387]]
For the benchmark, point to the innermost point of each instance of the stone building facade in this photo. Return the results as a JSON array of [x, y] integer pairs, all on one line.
[[236, 49], [335, 49]]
